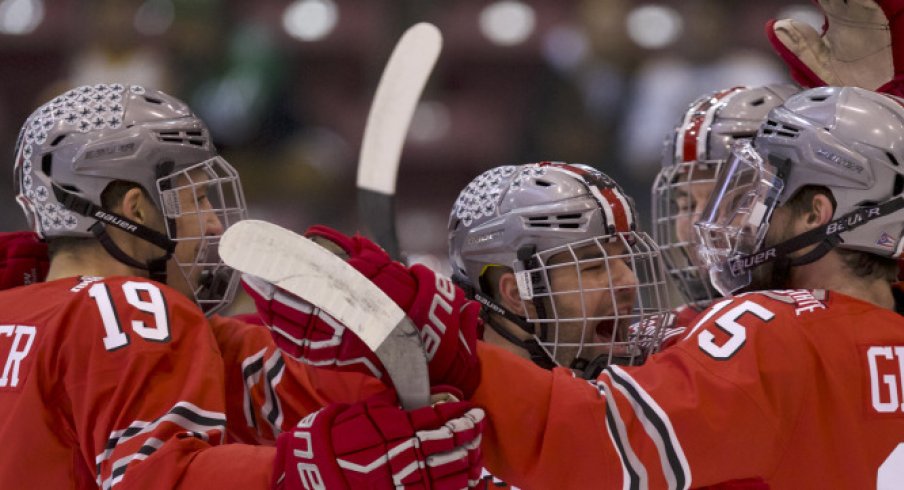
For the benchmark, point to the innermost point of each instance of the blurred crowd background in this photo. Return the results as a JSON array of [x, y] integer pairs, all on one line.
[[285, 86]]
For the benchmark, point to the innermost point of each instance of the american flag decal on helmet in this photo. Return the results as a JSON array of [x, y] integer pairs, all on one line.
[[690, 143]]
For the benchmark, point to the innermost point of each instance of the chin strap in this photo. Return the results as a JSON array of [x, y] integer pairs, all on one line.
[[156, 267], [827, 237], [537, 353]]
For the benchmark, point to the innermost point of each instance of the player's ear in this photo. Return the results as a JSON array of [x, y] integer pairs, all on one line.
[[820, 213], [132, 205], [508, 294]]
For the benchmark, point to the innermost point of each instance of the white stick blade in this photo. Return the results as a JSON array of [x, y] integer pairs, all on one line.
[[300, 266], [397, 95]]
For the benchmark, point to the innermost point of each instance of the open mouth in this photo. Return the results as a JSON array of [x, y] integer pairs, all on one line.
[[610, 329]]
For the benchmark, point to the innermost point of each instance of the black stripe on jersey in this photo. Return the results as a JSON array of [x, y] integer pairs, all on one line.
[[612, 425], [272, 373], [146, 450], [249, 373], [197, 418], [681, 478], [137, 427]]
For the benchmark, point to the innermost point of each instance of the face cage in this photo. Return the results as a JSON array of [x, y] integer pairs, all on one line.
[[214, 284], [674, 214], [736, 219], [631, 315]]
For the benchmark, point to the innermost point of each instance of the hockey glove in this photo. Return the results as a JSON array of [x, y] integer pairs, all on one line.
[[374, 444], [448, 322], [23, 259], [308, 334], [861, 44]]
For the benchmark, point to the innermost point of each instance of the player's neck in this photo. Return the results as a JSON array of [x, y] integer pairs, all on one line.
[[830, 273], [90, 262], [490, 336]]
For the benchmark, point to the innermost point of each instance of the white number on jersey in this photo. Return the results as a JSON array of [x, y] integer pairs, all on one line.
[[728, 322], [152, 302]]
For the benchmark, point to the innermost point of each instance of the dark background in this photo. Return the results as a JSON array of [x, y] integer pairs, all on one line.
[[289, 112]]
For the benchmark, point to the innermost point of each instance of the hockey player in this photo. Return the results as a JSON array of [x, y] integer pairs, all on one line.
[[114, 377], [553, 252], [799, 387], [694, 154]]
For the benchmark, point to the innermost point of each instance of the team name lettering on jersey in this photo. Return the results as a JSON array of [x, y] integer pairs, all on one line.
[[886, 377], [15, 344]]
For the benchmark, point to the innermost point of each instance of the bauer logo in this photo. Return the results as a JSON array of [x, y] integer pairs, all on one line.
[[115, 221], [839, 160], [481, 239], [110, 151]]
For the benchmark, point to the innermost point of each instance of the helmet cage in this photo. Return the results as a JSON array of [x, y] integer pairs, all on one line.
[[622, 301], [195, 196], [674, 214]]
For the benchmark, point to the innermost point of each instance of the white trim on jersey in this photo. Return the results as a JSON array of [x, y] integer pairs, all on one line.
[[196, 421], [657, 425], [634, 473]]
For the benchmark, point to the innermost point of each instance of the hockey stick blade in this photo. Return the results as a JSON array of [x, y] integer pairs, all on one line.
[[390, 115], [309, 271]]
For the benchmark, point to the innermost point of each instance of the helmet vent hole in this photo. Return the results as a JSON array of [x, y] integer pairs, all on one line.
[[891, 158], [818, 98], [57, 140], [194, 138], [775, 128], [543, 183], [898, 185], [47, 163], [538, 222], [152, 100], [758, 102]]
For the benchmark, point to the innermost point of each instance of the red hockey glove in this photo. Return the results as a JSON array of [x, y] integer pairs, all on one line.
[[449, 323], [374, 444], [23, 259], [861, 44], [308, 334]]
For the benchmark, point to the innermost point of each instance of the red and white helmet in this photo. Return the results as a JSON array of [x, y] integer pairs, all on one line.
[[694, 155], [522, 216]]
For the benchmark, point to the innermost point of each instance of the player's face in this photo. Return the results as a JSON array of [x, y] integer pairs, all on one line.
[[196, 224], [691, 195], [593, 299]]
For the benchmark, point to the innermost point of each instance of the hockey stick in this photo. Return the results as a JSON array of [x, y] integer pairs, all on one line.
[[309, 271], [397, 95]]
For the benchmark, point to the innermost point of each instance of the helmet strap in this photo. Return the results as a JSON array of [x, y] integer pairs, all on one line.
[[827, 237], [539, 355], [156, 267]]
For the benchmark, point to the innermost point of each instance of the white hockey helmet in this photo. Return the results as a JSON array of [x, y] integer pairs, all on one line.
[[520, 217], [693, 157], [71, 148], [848, 140]]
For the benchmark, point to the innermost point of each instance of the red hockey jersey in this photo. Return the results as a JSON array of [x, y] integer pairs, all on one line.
[[804, 389], [120, 383]]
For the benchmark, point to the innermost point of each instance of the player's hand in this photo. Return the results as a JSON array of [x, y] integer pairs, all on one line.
[[308, 334], [374, 444], [448, 322], [23, 259], [861, 44]]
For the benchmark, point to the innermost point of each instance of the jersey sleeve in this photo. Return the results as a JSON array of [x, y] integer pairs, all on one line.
[[717, 406], [267, 391], [144, 387]]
